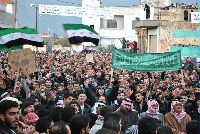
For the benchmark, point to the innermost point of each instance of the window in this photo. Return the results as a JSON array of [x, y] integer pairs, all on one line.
[[111, 24], [186, 15]]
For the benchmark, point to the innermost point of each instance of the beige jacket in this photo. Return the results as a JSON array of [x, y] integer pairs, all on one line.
[[177, 127]]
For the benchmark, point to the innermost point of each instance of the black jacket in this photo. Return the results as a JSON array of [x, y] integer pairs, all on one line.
[[137, 107], [86, 110], [5, 130], [196, 115], [91, 96], [128, 119]]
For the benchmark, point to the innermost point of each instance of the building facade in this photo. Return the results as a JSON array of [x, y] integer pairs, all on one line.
[[174, 12], [119, 22], [7, 14], [171, 25], [159, 36], [156, 3], [116, 23]]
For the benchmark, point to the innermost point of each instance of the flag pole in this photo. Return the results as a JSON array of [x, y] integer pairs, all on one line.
[[16, 79], [111, 74], [182, 76], [17, 75], [149, 87]]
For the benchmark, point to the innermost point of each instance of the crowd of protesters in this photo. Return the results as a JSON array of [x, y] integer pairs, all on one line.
[[68, 95]]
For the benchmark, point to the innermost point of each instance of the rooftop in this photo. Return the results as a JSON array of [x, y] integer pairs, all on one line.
[[6, 1]]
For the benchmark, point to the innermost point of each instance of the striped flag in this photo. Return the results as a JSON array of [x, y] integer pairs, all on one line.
[[78, 33], [12, 37]]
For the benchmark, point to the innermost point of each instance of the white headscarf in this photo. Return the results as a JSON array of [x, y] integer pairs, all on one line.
[[180, 115]]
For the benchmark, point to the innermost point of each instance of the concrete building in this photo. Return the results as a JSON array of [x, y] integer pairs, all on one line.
[[119, 22], [156, 3], [171, 25], [116, 23], [158, 36], [174, 12], [7, 14]]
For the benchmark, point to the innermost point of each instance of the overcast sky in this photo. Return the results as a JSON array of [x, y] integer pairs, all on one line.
[[26, 13]]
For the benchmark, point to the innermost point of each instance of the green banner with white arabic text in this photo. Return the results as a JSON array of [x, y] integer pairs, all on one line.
[[148, 62]]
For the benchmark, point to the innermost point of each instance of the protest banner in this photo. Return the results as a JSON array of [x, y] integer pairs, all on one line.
[[89, 58], [23, 59], [148, 62]]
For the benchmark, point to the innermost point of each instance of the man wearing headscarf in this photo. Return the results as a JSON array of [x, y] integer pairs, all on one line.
[[177, 118], [153, 111], [129, 115]]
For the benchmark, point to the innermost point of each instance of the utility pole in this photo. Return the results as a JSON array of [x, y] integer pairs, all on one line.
[[15, 13], [36, 19], [36, 15]]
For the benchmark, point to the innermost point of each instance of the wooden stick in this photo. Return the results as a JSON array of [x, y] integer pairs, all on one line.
[[17, 76], [182, 76], [16, 79]]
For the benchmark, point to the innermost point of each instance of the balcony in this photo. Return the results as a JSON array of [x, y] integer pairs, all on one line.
[[146, 24]]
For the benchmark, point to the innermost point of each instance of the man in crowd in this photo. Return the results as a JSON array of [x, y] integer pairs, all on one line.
[[67, 99], [79, 124], [9, 116], [85, 108], [128, 115], [140, 103], [120, 97]]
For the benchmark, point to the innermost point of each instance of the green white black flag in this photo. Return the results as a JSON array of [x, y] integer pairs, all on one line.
[[12, 37], [78, 33]]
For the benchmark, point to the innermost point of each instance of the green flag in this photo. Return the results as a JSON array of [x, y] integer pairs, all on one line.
[[149, 62]]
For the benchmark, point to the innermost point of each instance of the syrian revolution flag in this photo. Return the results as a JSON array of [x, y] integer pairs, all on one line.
[[78, 33], [12, 37]]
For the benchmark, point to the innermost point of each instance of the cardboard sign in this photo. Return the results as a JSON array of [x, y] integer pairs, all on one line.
[[89, 58], [23, 59]]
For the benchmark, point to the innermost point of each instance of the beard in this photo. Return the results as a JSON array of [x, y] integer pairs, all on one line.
[[9, 125], [119, 102], [125, 111], [155, 110]]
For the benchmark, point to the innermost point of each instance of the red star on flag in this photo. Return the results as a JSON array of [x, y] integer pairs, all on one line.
[[32, 37], [1, 40], [11, 36], [81, 33], [90, 33], [21, 34]]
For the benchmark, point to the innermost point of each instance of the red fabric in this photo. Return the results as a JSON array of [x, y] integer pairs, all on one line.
[[31, 118], [132, 45]]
